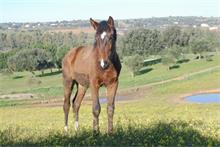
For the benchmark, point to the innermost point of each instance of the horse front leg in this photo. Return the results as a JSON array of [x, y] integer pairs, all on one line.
[[111, 92], [96, 108]]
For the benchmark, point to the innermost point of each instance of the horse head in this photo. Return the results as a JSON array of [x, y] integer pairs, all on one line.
[[105, 40]]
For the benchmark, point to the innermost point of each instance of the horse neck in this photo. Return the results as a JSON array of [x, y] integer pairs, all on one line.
[[113, 53], [94, 55]]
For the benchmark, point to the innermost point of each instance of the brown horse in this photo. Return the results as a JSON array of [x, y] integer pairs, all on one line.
[[93, 67]]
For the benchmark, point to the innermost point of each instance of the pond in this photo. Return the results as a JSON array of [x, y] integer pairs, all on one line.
[[103, 100], [204, 98]]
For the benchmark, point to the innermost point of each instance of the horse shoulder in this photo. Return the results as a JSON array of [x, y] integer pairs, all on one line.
[[69, 60], [71, 55]]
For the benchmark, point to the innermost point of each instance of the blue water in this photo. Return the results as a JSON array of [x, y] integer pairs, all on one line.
[[204, 98], [103, 100]]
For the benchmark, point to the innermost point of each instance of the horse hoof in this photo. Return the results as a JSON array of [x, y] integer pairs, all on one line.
[[66, 129], [76, 125]]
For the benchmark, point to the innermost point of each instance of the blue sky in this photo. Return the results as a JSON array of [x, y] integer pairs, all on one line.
[[53, 10]]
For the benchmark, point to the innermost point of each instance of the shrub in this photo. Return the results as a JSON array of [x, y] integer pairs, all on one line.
[[134, 63]]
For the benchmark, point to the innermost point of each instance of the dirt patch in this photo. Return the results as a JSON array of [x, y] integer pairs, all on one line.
[[123, 96], [19, 96]]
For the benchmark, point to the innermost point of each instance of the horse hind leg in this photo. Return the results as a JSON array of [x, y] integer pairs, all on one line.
[[68, 87], [76, 103]]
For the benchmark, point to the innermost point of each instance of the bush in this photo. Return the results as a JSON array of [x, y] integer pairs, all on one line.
[[134, 63], [29, 60], [170, 56], [168, 61]]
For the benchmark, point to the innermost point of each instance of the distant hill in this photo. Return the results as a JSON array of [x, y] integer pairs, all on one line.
[[122, 25]]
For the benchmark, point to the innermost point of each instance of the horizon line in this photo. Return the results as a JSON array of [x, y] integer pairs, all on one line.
[[102, 19]]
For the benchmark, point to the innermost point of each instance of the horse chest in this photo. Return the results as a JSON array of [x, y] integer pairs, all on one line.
[[108, 77]]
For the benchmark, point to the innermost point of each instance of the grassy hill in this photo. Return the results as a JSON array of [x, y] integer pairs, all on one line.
[[155, 115], [50, 85]]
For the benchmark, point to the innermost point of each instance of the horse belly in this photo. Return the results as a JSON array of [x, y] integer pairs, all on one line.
[[80, 68]]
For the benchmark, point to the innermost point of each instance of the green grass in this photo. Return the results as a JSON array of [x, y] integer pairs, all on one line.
[[10, 84], [159, 118], [153, 120], [174, 133], [161, 73], [51, 86], [6, 102]]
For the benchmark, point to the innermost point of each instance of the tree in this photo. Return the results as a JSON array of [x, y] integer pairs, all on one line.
[[4, 57], [142, 42], [171, 36], [61, 52], [176, 36], [21, 61], [168, 61], [134, 63], [29, 60], [200, 45], [43, 58], [170, 56], [120, 45]]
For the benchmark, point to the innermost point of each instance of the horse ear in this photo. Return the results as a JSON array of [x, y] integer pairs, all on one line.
[[94, 23], [111, 22]]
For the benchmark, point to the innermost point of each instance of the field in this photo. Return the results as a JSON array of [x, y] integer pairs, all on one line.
[[154, 112]]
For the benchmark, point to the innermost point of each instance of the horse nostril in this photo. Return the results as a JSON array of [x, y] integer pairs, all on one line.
[[105, 62]]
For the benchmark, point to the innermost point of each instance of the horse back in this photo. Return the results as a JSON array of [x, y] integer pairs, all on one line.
[[74, 60]]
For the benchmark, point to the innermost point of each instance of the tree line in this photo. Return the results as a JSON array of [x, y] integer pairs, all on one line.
[[171, 44], [150, 42], [44, 50]]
